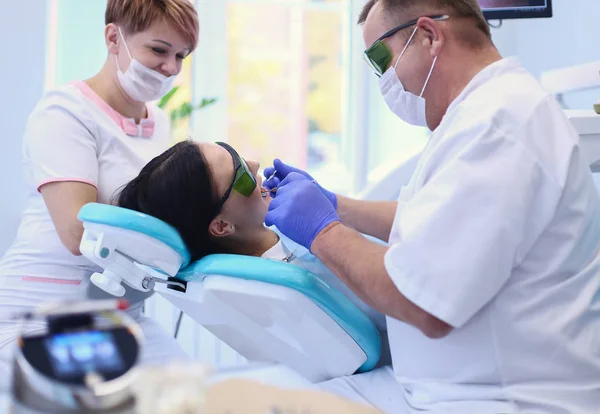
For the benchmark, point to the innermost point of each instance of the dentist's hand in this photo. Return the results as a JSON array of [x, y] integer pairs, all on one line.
[[283, 170], [300, 210]]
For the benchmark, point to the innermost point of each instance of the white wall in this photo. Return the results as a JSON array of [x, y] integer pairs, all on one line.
[[23, 28], [569, 38], [78, 47]]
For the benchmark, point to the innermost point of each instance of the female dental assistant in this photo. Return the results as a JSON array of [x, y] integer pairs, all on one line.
[[84, 141]]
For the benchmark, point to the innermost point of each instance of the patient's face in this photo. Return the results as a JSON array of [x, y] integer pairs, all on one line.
[[246, 213]]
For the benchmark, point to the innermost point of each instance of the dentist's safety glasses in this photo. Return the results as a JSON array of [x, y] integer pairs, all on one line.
[[378, 56], [244, 181]]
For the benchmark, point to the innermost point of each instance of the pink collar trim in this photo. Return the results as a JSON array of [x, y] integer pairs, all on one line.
[[144, 129]]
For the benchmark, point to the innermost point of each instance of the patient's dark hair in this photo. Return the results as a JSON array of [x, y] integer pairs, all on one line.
[[177, 188]]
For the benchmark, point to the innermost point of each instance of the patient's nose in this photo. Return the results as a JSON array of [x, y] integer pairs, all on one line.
[[254, 166]]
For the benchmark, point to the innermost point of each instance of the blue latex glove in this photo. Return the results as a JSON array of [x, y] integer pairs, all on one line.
[[282, 172], [300, 210]]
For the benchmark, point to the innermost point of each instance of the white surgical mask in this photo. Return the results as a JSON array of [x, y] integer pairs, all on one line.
[[408, 106], [140, 82]]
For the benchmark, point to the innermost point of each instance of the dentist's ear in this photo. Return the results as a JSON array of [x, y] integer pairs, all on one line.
[[432, 35], [221, 228]]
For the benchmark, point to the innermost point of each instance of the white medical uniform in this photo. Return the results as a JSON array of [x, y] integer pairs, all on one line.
[[73, 135], [359, 387], [498, 234]]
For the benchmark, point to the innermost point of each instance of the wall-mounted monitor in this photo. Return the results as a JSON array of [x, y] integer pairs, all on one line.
[[515, 9]]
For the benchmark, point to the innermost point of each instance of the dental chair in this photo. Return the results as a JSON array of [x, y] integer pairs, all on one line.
[[268, 311]]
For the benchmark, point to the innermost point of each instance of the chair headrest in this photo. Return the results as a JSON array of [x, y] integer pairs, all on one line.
[[135, 221]]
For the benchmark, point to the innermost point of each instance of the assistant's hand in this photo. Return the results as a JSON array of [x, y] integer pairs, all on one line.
[[283, 170], [300, 210]]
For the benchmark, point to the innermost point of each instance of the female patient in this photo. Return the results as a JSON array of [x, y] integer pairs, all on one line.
[[216, 201]]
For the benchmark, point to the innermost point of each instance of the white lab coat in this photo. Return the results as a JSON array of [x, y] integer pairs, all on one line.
[[498, 234]]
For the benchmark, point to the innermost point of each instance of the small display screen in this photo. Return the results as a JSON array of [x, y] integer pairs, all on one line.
[[77, 353], [515, 9], [512, 4]]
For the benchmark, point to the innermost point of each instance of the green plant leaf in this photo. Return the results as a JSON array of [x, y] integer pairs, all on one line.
[[165, 99], [183, 111], [206, 102]]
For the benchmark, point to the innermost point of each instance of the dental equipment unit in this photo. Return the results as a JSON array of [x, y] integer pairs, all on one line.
[[82, 361], [586, 121]]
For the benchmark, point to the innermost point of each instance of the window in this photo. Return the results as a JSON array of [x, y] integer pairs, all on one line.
[[290, 73], [75, 48], [391, 141], [286, 74], [180, 127]]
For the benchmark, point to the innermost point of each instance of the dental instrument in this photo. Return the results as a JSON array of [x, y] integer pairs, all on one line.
[[272, 175]]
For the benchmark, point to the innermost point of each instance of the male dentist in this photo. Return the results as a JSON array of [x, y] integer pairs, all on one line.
[[491, 275]]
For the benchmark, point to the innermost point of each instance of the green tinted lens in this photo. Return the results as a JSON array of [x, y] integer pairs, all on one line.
[[245, 182], [379, 57]]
